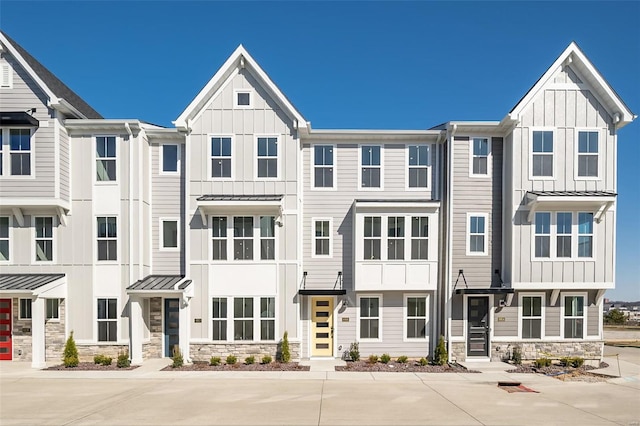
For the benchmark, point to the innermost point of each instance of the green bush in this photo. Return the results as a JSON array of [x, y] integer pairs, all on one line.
[[440, 355], [70, 355], [97, 359], [123, 360], [231, 359], [354, 351], [542, 362], [565, 361], [402, 359], [250, 360], [285, 353], [266, 359], [215, 360], [577, 362], [385, 358], [423, 361], [178, 360], [516, 355], [373, 359]]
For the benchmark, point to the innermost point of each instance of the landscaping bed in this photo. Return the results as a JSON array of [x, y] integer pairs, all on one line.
[[272, 366], [565, 373], [91, 366], [399, 367]]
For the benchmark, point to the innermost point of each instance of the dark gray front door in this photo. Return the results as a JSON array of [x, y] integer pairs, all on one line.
[[478, 326], [171, 325]]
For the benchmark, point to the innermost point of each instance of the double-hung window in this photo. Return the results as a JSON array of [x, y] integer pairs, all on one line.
[[267, 157], [372, 237], [587, 154], [585, 234], [542, 153], [419, 238], [369, 318], [477, 234], [542, 234], [107, 238], [20, 151], [107, 320], [267, 318], [563, 237], [243, 238], [219, 237], [221, 157], [44, 239], [4, 239], [371, 169], [395, 238], [418, 166], [267, 238], [416, 317], [53, 309], [243, 318], [105, 158], [219, 318], [170, 158], [531, 317], [571, 239], [322, 237], [323, 166], [480, 157], [573, 317]]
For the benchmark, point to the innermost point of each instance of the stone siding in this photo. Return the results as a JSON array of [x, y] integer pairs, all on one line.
[[153, 348], [591, 350], [21, 338], [204, 351], [458, 351], [87, 352], [54, 335]]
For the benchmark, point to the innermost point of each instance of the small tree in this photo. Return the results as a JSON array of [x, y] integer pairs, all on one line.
[[285, 353], [440, 355], [516, 355], [354, 351], [70, 355], [615, 316], [178, 361]]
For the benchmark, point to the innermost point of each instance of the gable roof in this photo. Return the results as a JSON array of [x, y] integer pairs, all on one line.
[[60, 95], [605, 94], [240, 58]]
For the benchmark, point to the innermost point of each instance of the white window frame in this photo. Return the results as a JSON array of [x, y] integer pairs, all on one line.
[[46, 312], [21, 313], [211, 157], [359, 223], [220, 319], [576, 226], [277, 156], [553, 153], [258, 249], [419, 238], [96, 158], [485, 251], [385, 232], [235, 98], [577, 153], [371, 238], [161, 222], [8, 239], [585, 309], [360, 167], [521, 316], [408, 167], [252, 318], [6, 70], [161, 169], [53, 239], [228, 236], [314, 237], [230, 239], [558, 234], [405, 316], [379, 317], [553, 237], [489, 157], [117, 239], [313, 165], [260, 319], [6, 151], [98, 320]]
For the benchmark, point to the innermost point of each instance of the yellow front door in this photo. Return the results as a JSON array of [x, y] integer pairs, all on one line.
[[322, 326]]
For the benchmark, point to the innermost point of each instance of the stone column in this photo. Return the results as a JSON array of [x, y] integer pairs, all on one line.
[[136, 322], [37, 333]]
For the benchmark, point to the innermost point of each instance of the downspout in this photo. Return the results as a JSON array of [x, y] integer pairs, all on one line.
[[451, 131], [130, 197]]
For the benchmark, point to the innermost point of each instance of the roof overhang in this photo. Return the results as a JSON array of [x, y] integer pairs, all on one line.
[[15, 207], [34, 285], [213, 204], [18, 118], [597, 201], [490, 290], [381, 206], [322, 292], [162, 286], [433, 136]]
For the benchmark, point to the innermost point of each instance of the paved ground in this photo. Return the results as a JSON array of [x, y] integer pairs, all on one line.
[[147, 396]]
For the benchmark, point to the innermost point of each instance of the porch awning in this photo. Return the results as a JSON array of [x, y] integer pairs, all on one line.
[[598, 201], [54, 285], [321, 292], [212, 204], [160, 283], [18, 118], [490, 290]]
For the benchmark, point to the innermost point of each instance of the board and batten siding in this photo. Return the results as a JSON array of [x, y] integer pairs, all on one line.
[[65, 162]]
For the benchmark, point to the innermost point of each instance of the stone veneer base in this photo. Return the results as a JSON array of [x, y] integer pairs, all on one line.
[[589, 350], [204, 351]]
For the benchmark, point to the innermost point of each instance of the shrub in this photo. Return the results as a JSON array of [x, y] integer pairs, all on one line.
[[577, 362], [215, 360], [440, 355], [123, 360], [70, 355], [285, 353], [402, 359], [373, 359], [97, 359], [178, 361], [565, 361], [516, 355], [231, 359], [423, 361], [250, 360], [542, 362], [385, 358], [266, 359], [354, 351]]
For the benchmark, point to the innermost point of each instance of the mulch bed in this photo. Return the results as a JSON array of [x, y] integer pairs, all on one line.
[[580, 374], [90, 366], [407, 367], [272, 366]]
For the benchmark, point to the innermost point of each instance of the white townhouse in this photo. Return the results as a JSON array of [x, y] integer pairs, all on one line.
[[242, 222]]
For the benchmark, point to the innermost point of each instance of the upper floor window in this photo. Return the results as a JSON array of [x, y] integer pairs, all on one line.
[[243, 98], [170, 158], [107, 320], [107, 238], [372, 237], [477, 234], [480, 149], [267, 157], [169, 233], [323, 166], [418, 166], [105, 158], [321, 237], [221, 157], [588, 154], [20, 151], [4, 239], [395, 238], [542, 234], [6, 76], [267, 238], [419, 237], [44, 239], [243, 238], [563, 237], [371, 166], [570, 238], [219, 237], [585, 234], [542, 154]]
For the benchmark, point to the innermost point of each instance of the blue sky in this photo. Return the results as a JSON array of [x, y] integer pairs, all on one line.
[[345, 65]]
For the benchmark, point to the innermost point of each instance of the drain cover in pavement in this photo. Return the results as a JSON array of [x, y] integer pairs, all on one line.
[[512, 387]]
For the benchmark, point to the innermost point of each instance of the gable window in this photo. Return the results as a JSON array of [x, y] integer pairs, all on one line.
[[243, 238], [585, 234], [219, 318], [44, 239], [369, 318], [372, 237], [563, 237], [107, 320], [243, 318], [543, 234], [169, 235], [477, 234], [531, 317], [323, 166], [416, 317], [267, 157], [588, 154], [25, 309], [542, 157], [371, 169], [321, 237], [107, 238], [221, 157], [53, 309], [267, 238], [418, 166], [20, 151], [4, 239], [170, 158], [419, 237], [480, 157], [219, 237], [105, 158], [6, 76], [267, 318], [573, 317], [395, 240], [243, 99]]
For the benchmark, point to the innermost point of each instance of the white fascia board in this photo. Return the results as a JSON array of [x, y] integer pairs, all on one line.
[[102, 124], [576, 286], [54, 289], [239, 205], [375, 135], [399, 205], [34, 202], [570, 199]]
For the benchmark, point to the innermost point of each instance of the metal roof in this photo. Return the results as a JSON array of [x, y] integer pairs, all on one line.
[[26, 281], [574, 193], [391, 200], [213, 197], [159, 282], [17, 118]]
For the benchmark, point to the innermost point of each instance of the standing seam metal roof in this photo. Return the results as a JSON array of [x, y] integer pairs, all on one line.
[[157, 282], [27, 281]]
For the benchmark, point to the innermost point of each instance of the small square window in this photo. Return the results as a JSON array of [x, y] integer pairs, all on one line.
[[243, 99]]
